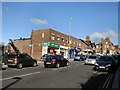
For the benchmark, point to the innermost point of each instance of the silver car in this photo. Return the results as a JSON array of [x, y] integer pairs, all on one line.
[[91, 59]]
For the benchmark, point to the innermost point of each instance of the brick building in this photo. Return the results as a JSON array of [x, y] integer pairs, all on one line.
[[50, 41]]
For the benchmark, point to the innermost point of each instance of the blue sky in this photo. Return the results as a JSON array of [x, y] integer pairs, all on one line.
[[97, 19]]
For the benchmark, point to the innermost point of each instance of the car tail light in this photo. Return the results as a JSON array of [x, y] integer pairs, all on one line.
[[53, 60], [16, 60]]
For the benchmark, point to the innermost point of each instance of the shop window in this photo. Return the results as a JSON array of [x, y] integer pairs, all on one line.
[[43, 35], [53, 36], [58, 37]]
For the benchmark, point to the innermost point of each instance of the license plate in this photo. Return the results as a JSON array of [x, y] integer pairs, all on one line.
[[10, 60], [101, 67], [48, 63]]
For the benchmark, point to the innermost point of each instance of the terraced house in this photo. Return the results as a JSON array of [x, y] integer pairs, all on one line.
[[106, 47]]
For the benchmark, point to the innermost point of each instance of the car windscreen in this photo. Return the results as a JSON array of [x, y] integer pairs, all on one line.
[[103, 58], [11, 56], [92, 57], [77, 55]]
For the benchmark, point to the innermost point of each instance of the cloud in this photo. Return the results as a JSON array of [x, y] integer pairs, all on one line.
[[38, 21], [96, 37]]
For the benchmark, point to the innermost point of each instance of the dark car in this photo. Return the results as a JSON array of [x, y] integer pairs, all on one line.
[[83, 57], [21, 60], [44, 57], [55, 61], [117, 58], [106, 63]]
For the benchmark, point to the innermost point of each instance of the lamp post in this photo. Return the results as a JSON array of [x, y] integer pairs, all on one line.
[[69, 41]]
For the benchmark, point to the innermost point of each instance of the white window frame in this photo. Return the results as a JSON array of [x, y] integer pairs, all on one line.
[[53, 36], [63, 39], [58, 37], [43, 35]]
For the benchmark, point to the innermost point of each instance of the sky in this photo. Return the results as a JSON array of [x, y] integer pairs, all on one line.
[[96, 19]]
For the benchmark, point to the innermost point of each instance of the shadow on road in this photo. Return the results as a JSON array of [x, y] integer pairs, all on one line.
[[16, 80], [95, 82]]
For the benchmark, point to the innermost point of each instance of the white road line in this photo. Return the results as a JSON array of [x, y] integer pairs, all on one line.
[[95, 72], [106, 81], [20, 76], [60, 68], [109, 81]]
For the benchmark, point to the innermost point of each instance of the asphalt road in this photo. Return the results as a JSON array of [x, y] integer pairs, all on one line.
[[76, 75]]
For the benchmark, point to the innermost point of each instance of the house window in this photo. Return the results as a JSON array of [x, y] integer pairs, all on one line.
[[63, 39], [58, 37], [106, 42], [96, 46], [80, 44], [53, 36], [74, 42], [66, 40], [70, 41], [43, 35], [107, 46]]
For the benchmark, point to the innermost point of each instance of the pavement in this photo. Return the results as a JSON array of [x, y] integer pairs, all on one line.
[[116, 81]]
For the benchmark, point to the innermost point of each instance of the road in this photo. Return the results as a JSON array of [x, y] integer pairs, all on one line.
[[76, 75]]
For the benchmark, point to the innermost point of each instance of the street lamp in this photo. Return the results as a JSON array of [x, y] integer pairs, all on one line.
[[69, 41]]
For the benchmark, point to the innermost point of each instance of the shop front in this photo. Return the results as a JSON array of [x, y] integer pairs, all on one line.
[[64, 51], [49, 47]]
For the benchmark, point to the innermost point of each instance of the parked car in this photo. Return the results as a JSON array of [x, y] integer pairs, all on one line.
[[44, 57], [21, 60], [83, 57], [116, 58], [3, 62], [91, 59], [55, 61], [106, 63], [77, 57]]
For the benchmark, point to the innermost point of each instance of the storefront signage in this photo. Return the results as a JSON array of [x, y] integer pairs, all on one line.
[[51, 44]]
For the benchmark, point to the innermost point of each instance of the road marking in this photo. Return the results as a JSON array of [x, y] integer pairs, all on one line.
[[60, 68], [107, 81], [20, 76], [95, 72]]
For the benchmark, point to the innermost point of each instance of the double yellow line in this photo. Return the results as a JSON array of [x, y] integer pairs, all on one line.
[[107, 82]]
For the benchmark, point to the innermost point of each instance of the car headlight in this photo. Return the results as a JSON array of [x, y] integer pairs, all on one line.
[[108, 65], [96, 64]]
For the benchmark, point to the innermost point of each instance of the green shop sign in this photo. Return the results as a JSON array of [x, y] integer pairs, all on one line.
[[50, 44]]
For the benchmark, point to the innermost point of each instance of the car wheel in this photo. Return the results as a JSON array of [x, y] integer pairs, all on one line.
[[34, 64], [57, 65], [45, 66], [67, 64], [19, 66]]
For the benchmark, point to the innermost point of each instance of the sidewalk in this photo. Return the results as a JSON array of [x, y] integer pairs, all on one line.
[[116, 81]]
